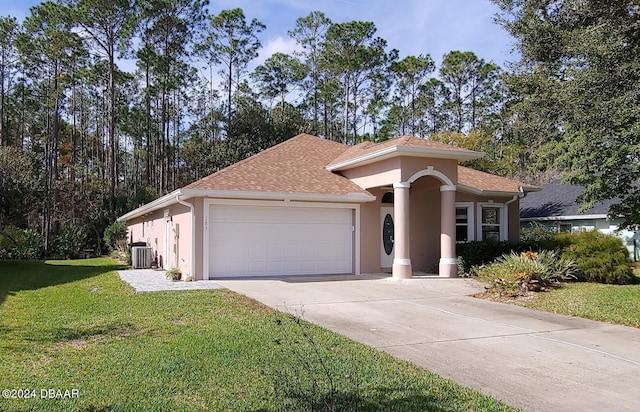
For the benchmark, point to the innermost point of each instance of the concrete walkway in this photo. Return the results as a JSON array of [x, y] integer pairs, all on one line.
[[533, 360], [150, 280]]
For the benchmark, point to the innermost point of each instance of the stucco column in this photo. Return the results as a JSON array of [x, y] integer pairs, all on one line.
[[448, 267], [401, 231]]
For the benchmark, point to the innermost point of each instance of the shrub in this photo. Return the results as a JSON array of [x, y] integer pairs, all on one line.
[[114, 233], [21, 244], [600, 258], [483, 252], [537, 232], [121, 252], [516, 273], [174, 274], [70, 241]]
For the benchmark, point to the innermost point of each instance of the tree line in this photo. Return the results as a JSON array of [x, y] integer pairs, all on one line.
[[83, 141]]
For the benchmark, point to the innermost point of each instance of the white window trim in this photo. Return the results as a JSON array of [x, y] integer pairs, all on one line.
[[504, 219], [470, 220]]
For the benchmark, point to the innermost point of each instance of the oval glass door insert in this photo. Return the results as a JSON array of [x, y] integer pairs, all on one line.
[[387, 234]]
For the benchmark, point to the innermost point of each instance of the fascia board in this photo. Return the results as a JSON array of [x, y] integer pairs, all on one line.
[[309, 197], [185, 194], [396, 151], [159, 203], [474, 191], [568, 217]]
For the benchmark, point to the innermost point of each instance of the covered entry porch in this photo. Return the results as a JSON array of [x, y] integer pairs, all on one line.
[[434, 198], [419, 187], [415, 226]]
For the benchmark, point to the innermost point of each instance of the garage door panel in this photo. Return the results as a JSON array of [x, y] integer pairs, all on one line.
[[251, 240]]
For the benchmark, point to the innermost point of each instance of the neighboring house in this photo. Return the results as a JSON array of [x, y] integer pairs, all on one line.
[[313, 206], [555, 206]]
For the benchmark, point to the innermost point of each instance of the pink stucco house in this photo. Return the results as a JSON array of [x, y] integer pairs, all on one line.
[[312, 206]]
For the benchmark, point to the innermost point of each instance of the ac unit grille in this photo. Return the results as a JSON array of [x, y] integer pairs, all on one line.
[[141, 257]]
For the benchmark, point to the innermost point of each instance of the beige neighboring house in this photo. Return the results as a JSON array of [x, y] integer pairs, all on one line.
[[311, 206]]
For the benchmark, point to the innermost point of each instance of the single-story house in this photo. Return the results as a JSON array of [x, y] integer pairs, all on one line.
[[312, 206], [555, 206]]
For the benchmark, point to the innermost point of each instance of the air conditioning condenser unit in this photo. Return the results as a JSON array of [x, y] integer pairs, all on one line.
[[141, 257]]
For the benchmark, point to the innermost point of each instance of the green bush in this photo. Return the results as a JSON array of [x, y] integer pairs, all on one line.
[[537, 232], [114, 233], [484, 252], [514, 274], [600, 258], [21, 244], [71, 240]]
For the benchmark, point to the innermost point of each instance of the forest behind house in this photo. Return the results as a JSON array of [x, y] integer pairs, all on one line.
[[83, 141]]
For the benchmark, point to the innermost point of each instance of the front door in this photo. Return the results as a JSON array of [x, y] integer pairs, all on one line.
[[386, 251]]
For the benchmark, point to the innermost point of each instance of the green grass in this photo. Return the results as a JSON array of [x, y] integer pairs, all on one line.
[[75, 325], [607, 303]]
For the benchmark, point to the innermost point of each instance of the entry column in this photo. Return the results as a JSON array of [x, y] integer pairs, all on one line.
[[401, 231], [448, 267]]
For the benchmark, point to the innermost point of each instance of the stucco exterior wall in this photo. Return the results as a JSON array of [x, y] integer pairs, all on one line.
[[412, 165], [148, 229], [168, 232], [399, 169], [371, 233], [425, 224], [199, 252], [514, 220], [377, 174]]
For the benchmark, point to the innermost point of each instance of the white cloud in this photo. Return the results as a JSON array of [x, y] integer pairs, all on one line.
[[413, 27], [277, 44]]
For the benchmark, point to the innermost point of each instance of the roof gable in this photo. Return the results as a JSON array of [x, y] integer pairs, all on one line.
[[369, 152], [296, 165]]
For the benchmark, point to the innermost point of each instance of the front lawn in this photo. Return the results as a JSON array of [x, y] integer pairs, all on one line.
[[75, 326], [608, 303]]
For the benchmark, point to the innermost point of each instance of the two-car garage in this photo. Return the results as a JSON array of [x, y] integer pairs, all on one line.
[[264, 239]]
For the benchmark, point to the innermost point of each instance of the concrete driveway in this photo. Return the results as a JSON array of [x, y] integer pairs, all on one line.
[[529, 359]]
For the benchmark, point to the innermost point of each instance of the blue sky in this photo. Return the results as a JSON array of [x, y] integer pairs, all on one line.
[[415, 27]]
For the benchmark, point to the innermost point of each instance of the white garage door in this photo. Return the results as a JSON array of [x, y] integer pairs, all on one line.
[[259, 240]]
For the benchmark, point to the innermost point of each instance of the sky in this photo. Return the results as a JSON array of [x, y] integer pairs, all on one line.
[[413, 27]]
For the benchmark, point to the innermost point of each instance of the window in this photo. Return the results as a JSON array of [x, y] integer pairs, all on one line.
[[564, 227], [387, 198], [492, 222], [464, 222]]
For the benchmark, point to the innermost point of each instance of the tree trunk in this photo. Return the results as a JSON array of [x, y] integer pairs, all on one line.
[[148, 121], [111, 130], [345, 122]]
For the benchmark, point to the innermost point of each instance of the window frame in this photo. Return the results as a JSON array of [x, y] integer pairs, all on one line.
[[503, 218], [470, 221]]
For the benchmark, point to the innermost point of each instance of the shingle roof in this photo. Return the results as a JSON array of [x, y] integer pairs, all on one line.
[[298, 166], [294, 166], [366, 148], [486, 182], [558, 199]]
